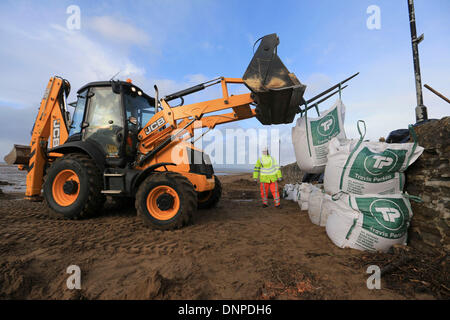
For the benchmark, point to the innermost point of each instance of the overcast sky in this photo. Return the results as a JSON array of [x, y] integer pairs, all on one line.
[[176, 44]]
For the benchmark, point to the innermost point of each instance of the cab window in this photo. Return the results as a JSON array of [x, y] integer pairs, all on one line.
[[105, 120], [78, 113], [138, 106]]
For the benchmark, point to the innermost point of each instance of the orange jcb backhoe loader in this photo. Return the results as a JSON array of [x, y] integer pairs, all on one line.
[[123, 143]]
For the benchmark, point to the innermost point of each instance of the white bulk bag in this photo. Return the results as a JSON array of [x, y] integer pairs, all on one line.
[[304, 191], [340, 222], [288, 192], [369, 222], [304, 206], [326, 210], [363, 167], [315, 206], [310, 137], [291, 192], [297, 192], [317, 210]]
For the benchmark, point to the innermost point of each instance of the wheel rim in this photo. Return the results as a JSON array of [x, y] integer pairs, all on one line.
[[157, 209], [204, 196], [61, 193]]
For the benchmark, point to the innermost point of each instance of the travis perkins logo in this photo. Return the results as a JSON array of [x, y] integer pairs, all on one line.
[[377, 167], [377, 164], [387, 218], [325, 129], [326, 125]]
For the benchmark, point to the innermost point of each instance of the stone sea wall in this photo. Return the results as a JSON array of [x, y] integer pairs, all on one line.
[[429, 178]]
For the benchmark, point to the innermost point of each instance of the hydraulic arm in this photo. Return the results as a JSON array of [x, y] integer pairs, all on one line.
[[50, 130]]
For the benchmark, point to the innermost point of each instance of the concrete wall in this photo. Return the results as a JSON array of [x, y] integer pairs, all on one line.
[[429, 178]]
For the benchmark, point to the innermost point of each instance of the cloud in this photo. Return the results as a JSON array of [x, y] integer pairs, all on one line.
[[15, 127], [44, 52], [211, 47], [251, 39], [207, 45], [112, 28], [316, 83]]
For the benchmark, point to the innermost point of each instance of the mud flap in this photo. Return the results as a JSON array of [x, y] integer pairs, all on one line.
[[277, 92]]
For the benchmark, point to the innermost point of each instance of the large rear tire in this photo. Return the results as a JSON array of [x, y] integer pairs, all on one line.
[[72, 187], [209, 199], [166, 200]]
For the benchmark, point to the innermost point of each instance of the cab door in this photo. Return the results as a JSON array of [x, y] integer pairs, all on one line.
[[104, 122], [77, 117]]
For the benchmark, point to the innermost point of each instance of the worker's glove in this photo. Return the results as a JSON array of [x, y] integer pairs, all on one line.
[[256, 180], [280, 179]]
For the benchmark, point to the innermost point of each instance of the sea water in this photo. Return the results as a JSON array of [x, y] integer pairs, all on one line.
[[15, 179]]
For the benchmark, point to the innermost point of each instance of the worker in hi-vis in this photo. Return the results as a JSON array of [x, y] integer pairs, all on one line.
[[269, 173]]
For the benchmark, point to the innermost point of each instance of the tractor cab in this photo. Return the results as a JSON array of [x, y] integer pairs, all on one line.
[[110, 114]]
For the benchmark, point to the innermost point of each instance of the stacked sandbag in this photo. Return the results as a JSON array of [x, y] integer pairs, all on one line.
[[301, 193], [319, 207], [369, 222], [288, 192], [311, 136], [364, 167], [326, 209], [305, 191], [291, 192], [368, 210]]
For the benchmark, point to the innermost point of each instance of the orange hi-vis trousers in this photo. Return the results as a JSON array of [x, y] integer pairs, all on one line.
[[273, 186]]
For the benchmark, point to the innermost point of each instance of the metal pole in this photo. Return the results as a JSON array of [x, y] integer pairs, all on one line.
[[440, 95], [421, 110], [331, 89], [201, 135]]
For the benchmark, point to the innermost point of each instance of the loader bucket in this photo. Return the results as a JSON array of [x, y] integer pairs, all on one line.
[[277, 92], [19, 154]]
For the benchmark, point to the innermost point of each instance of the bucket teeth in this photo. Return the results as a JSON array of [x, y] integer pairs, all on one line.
[[277, 92]]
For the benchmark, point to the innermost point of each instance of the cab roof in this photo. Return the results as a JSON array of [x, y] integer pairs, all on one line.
[[109, 83]]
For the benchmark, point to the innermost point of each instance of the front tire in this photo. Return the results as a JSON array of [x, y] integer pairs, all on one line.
[[72, 187], [166, 200]]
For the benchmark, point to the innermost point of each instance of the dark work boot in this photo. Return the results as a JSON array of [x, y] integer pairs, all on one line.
[[265, 205], [278, 206]]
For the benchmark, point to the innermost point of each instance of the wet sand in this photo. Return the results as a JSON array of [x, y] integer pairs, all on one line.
[[236, 251]]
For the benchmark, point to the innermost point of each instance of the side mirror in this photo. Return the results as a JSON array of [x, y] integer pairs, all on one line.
[[115, 86]]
